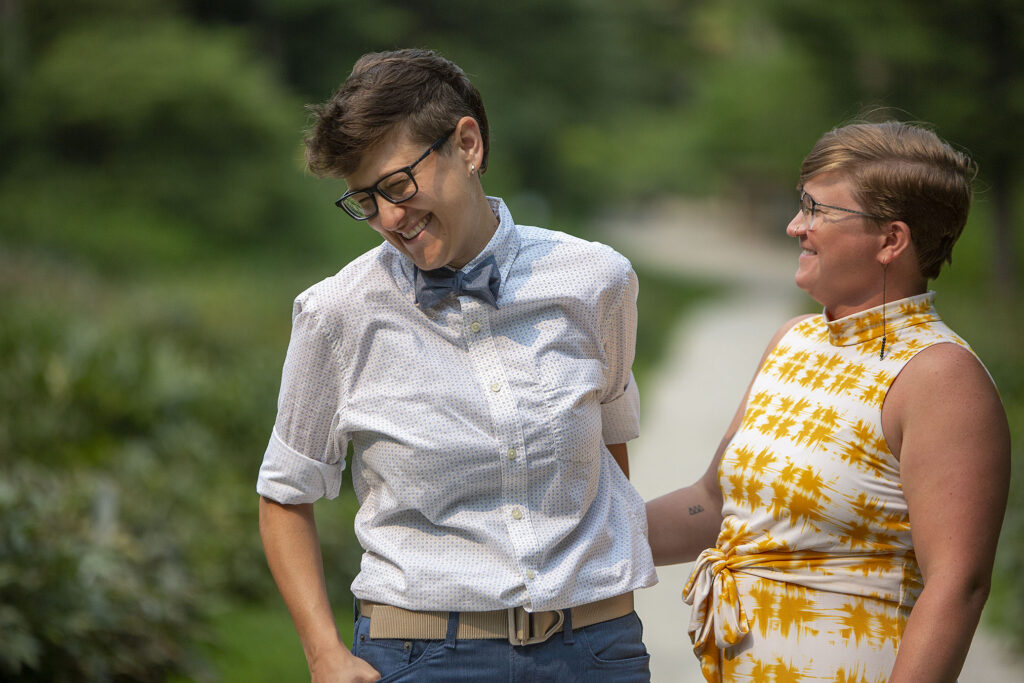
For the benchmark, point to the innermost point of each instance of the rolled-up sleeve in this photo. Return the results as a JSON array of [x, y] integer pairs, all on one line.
[[306, 454], [620, 404], [620, 418]]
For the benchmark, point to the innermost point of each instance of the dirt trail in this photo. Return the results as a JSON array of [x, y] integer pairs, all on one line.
[[690, 399]]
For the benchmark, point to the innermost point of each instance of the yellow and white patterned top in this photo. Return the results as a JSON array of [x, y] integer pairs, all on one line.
[[814, 572]]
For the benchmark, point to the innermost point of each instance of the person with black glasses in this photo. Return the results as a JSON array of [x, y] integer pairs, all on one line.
[[846, 528], [481, 371]]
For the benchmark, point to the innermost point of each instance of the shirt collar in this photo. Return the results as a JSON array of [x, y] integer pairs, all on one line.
[[504, 243]]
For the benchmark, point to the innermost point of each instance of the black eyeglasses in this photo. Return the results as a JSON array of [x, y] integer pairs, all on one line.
[[809, 207], [396, 187]]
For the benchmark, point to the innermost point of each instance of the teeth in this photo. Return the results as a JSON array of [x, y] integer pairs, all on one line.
[[416, 229], [808, 251]]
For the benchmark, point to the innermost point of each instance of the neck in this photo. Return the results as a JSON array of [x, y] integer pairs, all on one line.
[[898, 281], [486, 219], [484, 225]]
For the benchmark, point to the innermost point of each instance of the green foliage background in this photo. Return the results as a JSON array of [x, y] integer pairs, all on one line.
[[155, 224]]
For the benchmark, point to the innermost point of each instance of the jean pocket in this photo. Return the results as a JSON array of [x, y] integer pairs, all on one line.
[[389, 656], [617, 641]]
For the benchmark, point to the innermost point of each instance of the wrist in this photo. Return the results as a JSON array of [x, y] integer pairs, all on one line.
[[326, 649]]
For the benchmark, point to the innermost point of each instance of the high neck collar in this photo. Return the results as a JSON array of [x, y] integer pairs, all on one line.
[[872, 323]]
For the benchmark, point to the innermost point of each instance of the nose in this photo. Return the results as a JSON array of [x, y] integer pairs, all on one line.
[[797, 226], [389, 216]]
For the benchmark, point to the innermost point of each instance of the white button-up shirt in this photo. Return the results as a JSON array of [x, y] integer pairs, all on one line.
[[478, 433]]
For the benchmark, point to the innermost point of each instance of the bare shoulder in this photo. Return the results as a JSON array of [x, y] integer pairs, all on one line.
[[945, 392], [948, 367]]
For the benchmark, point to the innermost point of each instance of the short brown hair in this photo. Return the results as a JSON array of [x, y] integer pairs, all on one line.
[[415, 89], [904, 172]]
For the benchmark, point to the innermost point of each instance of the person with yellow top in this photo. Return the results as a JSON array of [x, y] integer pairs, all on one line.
[[847, 525]]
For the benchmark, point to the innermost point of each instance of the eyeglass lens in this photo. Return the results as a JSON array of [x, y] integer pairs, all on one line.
[[397, 187], [807, 209]]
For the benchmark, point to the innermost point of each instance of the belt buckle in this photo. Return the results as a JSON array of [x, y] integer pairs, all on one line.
[[520, 626]]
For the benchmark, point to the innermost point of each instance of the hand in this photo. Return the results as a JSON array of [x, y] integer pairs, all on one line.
[[343, 667]]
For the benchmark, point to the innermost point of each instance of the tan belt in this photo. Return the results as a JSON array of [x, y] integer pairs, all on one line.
[[516, 624]]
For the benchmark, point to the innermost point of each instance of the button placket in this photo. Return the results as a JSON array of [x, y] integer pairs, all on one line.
[[490, 372]]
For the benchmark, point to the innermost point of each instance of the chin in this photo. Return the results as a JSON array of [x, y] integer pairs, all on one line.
[[802, 283], [427, 263]]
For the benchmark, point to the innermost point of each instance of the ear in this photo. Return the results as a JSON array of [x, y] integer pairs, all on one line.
[[469, 142], [896, 243]]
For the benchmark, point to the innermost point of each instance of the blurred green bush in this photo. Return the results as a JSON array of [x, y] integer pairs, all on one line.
[[155, 225], [85, 596], [129, 443], [168, 144]]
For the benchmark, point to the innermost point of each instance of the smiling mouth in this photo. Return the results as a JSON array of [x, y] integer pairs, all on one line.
[[417, 229]]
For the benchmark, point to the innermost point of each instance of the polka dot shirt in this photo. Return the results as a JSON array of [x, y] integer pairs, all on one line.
[[478, 433]]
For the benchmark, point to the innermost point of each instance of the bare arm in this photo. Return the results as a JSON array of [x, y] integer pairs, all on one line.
[[621, 455], [683, 523], [292, 547], [687, 521], [944, 421]]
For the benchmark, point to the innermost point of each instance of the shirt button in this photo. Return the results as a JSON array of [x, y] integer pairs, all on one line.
[[474, 327], [530, 574], [517, 513], [495, 387], [511, 454]]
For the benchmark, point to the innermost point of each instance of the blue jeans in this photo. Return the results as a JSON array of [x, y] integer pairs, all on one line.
[[610, 651]]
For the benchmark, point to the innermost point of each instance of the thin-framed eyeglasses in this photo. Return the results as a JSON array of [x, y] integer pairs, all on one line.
[[396, 187], [809, 208]]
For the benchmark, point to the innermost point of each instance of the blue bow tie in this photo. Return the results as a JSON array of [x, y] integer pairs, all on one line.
[[482, 281]]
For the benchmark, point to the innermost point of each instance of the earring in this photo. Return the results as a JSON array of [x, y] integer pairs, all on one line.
[[881, 353], [472, 169]]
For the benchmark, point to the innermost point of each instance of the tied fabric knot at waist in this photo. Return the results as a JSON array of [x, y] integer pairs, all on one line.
[[482, 281], [711, 590]]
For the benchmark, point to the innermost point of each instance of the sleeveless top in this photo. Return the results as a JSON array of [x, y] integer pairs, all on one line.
[[815, 555]]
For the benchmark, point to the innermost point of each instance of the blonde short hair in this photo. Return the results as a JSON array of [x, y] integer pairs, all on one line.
[[904, 172]]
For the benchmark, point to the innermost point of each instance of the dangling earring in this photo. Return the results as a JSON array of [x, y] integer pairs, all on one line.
[[472, 169], [881, 354]]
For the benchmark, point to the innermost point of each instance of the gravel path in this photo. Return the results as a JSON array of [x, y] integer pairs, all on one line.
[[689, 401]]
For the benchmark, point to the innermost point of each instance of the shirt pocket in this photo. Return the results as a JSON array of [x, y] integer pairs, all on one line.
[[572, 389]]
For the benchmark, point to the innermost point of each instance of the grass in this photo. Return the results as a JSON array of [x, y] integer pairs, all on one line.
[[258, 644]]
